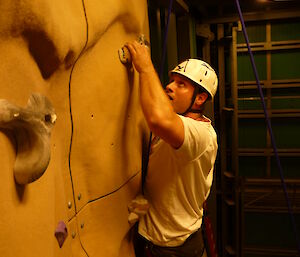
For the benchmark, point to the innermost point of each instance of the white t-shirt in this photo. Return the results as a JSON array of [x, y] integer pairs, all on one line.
[[178, 182]]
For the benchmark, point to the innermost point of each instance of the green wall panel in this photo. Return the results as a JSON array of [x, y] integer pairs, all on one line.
[[252, 133], [256, 33], [249, 104], [270, 230], [253, 102], [252, 167], [285, 98], [249, 99], [245, 71], [287, 103], [286, 91], [267, 229], [285, 31], [249, 92], [285, 65], [286, 132], [290, 166]]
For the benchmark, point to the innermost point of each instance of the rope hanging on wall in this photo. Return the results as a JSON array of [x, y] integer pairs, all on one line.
[[145, 165]]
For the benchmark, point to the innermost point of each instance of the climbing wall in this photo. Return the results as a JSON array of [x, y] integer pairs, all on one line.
[[67, 51]]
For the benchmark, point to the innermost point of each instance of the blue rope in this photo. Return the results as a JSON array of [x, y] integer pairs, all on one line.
[[145, 168], [165, 41], [269, 125]]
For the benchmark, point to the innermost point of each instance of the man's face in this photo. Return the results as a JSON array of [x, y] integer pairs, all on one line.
[[180, 91]]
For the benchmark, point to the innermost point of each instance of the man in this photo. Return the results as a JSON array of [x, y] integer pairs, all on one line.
[[182, 158]]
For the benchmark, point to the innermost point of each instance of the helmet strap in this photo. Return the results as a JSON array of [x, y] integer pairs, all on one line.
[[195, 111], [189, 109]]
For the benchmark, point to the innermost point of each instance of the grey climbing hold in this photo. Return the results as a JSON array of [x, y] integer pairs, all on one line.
[[31, 127], [124, 54]]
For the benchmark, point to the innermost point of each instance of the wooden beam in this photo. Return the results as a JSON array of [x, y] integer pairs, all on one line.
[[184, 6], [255, 16]]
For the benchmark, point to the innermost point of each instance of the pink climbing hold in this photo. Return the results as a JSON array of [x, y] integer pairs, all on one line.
[[61, 233]]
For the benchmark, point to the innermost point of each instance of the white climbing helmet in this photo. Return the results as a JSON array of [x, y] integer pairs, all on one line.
[[200, 73]]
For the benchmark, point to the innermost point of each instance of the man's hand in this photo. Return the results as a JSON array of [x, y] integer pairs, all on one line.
[[156, 105], [141, 58]]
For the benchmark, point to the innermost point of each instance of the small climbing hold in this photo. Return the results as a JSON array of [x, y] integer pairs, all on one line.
[[124, 55], [61, 233]]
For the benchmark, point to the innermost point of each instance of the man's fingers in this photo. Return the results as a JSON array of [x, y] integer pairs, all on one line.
[[138, 46], [135, 46], [130, 48]]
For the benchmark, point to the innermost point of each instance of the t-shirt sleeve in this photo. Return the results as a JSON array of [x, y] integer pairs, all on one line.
[[197, 138]]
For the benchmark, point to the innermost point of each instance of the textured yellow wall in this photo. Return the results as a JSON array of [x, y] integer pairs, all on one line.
[[49, 47]]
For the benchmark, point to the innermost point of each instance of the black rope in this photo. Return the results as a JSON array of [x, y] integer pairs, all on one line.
[[145, 167]]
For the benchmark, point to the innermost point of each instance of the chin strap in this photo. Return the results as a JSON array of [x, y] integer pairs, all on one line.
[[189, 109]]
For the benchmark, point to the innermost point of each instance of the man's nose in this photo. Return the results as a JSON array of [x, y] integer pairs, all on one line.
[[169, 87]]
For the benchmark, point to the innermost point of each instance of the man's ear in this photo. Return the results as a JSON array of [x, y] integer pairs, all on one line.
[[201, 98]]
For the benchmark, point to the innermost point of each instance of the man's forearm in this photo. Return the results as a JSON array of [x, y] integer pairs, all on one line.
[[154, 101], [157, 108]]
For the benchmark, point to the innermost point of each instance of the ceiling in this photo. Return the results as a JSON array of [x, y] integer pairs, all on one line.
[[209, 9], [213, 11]]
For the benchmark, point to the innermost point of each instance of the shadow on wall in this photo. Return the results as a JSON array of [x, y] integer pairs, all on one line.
[[44, 52]]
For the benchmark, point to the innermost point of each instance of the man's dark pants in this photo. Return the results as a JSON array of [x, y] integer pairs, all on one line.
[[192, 247]]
